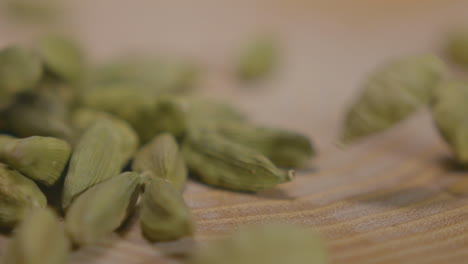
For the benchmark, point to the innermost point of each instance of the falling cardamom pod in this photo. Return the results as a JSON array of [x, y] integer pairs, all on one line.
[[266, 243], [284, 148], [450, 113], [40, 238], [33, 12], [18, 194], [20, 71], [42, 159], [62, 57], [392, 93], [101, 153], [103, 208], [161, 158], [259, 59], [164, 216], [221, 162], [457, 47]]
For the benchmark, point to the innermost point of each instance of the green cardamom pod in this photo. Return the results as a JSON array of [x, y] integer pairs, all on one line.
[[284, 148], [450, 113], [42, 159], [259, 59], [164, 216], [64, 92], [149, 115], [272, 243], [62, 57], [457, 47], [101, 153], [82, 118], [18, 194], [156, 75], [33, 12], [161, 158], [221, 162], [391, 94], [102, 208], [39, 115], [204, 112], [20, 71], [40, 238]]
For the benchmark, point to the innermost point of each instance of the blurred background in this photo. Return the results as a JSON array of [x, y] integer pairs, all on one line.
[[327, 46]]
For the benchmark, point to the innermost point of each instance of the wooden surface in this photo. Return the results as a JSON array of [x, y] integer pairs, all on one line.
[[383, 200]]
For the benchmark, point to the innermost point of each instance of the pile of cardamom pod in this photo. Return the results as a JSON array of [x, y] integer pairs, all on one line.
[[93, 142], [403, 86]]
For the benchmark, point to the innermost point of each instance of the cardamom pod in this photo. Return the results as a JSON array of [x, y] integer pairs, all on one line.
[[457, 47], [20, 71], [267, 243], [284, 148], [149, 115], [221, 162], [164, 216], [450, 113], [39, 115], [40, 238], [102, 208], [18, 194], [258, 59], [33, 12], [391, 94], [155, 75], [64, 92], [208, 113], [101, 153], [42, 159], [82, 118], [161, 158], [62, 57]]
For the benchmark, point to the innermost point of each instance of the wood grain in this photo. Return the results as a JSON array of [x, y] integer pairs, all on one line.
[[384, 200]]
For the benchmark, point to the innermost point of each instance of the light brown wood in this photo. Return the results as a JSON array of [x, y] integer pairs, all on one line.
[[380, 201]]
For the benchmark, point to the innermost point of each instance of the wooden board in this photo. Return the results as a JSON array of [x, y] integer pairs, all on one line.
[[380, 201]]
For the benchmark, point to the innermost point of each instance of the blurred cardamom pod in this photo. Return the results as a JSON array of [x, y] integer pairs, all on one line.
[[33, 12], [62, 57], [18, 194], [103, 208], [101, 153], [221, 162], [155, 75], [164, 216], [161, 158], [20, 71], [208, 113], [40, 238], [82, 118], [450, 113], [149, 115], [64, 92], [284, 148], [42, 159], [392, 93], [457, 47], [39, 115], [258, 59], [266, 243]]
